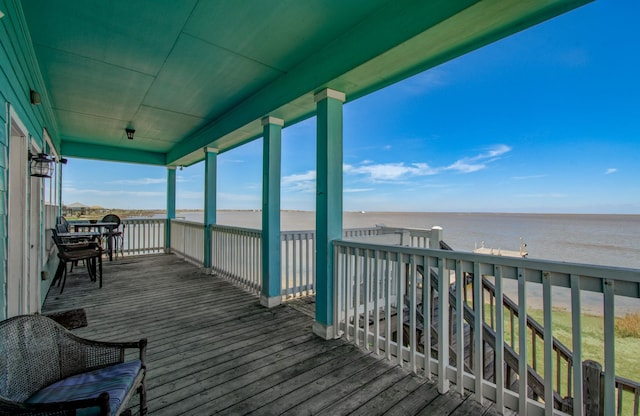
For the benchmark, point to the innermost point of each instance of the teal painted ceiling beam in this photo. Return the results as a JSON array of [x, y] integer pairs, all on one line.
[[192, 74], [401, 39], [112, 153], [402, 20]]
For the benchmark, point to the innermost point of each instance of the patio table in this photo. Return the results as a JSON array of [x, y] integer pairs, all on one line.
[[99, 225]]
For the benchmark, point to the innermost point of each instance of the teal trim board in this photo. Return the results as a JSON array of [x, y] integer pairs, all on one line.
[[328, 201], [210, 202], [171, 204], [271, 258]]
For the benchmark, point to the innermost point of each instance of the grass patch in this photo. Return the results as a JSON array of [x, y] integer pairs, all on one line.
[[628, 326], [627, 345]]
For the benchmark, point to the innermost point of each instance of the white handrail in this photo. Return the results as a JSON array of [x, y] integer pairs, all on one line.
[[367, 274], [143, 235], [187, 240], [236, 253]]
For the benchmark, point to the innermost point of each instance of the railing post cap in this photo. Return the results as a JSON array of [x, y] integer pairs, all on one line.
[[436, 227]]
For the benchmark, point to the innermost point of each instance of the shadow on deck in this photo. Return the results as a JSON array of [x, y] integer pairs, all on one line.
[[214, 349]]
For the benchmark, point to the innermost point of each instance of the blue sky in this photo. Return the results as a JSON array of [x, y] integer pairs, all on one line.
[[547, 120]]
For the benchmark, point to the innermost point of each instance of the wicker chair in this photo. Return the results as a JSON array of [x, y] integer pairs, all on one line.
[[47, 370]]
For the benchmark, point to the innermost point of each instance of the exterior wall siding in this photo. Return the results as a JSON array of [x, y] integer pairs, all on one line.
[[3, 212], [19, 73]]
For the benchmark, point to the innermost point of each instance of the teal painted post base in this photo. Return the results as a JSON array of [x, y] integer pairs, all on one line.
[[171, 206], [271, 294], [328, 204], [210, 201]]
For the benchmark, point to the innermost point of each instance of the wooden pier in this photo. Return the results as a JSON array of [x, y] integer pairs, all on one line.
[[214, 349]]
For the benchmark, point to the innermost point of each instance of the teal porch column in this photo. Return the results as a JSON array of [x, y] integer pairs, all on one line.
[[271, 258], [210, 199], [328, 203], [171, 205]]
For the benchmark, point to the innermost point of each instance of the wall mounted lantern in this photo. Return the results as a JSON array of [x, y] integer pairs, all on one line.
[[35, 97], [40, 165], [130, 133]]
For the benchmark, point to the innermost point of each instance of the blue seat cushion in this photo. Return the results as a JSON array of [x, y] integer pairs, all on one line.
[[115, 380]]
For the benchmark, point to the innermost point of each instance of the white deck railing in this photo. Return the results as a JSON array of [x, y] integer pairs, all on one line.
[[187, 240], [380, 289], [143, 236], [236, 253], [298, 263]]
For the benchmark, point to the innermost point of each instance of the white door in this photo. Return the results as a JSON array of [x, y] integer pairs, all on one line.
[[34, 243], [17, 252]]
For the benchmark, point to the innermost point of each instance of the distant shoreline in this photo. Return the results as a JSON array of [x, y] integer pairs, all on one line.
[[160, 211]]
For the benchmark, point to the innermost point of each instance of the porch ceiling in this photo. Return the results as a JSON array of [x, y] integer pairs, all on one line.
[[193, 73]]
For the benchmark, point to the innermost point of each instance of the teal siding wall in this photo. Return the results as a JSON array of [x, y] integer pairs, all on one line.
[[19, 74], [3, 210]]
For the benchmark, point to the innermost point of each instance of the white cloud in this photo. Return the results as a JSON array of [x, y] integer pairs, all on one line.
[[610, 171], [297, 177], [552, 195], [478, 162], [301, 182], [357, 190], [118, 192], [139, 181], [465, 167], [392, 171], [524, 178], [396, 172]]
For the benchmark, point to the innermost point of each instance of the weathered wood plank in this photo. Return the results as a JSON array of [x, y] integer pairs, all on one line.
[[419, 399], [279, 399], [443, 405], [213, 348], [392, 395], [346, 405], [343, 389]]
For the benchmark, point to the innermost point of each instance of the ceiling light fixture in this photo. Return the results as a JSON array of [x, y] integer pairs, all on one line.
[[130, 133]]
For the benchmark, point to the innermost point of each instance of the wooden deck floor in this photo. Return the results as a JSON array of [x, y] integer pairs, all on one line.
[[214, 349]]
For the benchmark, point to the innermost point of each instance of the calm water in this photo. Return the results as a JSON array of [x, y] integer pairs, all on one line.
[[611, 240], [608, 240]]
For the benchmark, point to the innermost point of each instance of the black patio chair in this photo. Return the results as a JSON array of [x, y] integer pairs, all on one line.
[[71, 253], [116, 233]]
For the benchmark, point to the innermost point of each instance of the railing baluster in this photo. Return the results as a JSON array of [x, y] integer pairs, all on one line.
[[357, 294], [365, 296], [548, 343], [523, 383], [443, 321], [459, 310], [400, 309], [294, 263], [387, 305], [340, 288], [609, 347], [287, 279], [426, 313], [478, 312], [412, 314], [349, 292], [376, 302], [499, 347]]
